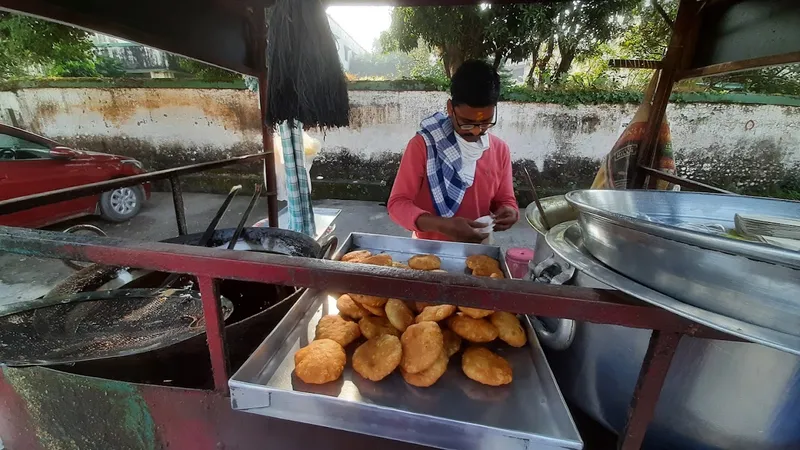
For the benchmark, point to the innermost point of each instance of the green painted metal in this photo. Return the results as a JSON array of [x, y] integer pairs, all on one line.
[[746, 99], [77, 412], [396, 85]]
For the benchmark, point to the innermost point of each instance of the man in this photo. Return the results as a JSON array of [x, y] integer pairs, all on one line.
[[452, 171]]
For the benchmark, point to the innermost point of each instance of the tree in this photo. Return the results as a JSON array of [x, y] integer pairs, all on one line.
[[517, 32], [457, 33], [28, 44], [584, 25], [509, 32], [502, 32], [648, 34], [417, 63]]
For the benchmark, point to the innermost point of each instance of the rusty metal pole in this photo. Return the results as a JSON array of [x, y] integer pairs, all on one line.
[[215, 333], [177, 202], [681, 45], [648, 388], [270, 177]]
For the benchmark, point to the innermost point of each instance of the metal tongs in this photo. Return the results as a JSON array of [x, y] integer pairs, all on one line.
[[209, 233]]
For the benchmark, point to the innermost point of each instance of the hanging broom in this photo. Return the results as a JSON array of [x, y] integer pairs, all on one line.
[[306, 81]]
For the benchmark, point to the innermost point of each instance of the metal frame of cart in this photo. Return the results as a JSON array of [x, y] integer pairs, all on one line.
[[709, 37]]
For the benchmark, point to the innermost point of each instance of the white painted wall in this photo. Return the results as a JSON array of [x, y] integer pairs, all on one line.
[[383, 122], [217, 118]]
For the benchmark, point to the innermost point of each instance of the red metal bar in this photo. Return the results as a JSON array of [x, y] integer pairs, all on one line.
[[524, 297], [215, 333], [45, 198], [648, 388]]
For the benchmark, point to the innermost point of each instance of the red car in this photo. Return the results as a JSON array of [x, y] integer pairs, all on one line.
[[31, 164]]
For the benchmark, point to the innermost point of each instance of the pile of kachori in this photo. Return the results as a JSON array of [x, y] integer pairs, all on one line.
[[417, 339]]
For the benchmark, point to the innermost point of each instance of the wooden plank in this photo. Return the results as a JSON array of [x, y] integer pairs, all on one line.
[[739, 66], [634, 64], [675, 58]]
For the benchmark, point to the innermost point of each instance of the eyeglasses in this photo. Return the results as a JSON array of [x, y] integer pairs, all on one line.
[[471, 126]]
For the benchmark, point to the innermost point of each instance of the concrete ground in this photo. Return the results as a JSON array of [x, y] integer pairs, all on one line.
[[23, 278]]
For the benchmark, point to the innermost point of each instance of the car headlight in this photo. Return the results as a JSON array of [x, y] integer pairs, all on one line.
[[134, 163]]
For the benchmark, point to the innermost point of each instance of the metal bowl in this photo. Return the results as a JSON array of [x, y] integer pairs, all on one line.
[[643, 235]]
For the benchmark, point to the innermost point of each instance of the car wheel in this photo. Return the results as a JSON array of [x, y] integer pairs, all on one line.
[[121, 204]]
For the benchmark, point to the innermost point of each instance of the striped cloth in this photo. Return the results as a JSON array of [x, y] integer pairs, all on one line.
[[443, 164], [301, 213]]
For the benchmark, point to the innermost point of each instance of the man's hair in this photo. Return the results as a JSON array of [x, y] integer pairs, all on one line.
[[475, 84]]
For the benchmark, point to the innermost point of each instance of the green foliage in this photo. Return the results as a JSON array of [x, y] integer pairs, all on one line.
[[457, 33], [98, 66], [422, 64], [508, 32], [514, 32], [647, 35], [205, 72], [582, 26], [27, 44], [109, 67], [569, 96], [418, 64], [784, 80], [80, 68]]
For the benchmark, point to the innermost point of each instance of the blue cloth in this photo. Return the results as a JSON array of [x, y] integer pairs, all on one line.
[[301, 212], [443, 164]]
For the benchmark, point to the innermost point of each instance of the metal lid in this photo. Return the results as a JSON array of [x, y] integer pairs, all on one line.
[[661, 213]]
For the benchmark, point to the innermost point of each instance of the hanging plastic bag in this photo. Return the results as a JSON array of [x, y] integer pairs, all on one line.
[[617, 168], [311, 148]]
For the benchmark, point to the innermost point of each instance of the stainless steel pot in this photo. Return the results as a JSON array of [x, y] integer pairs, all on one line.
[[652, 237], [718, 394]]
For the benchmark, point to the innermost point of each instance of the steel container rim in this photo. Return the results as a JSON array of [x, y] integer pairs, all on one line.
[[754, 250]]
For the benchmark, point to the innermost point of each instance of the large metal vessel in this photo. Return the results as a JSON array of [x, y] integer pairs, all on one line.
[[662, 240], [718, 394]]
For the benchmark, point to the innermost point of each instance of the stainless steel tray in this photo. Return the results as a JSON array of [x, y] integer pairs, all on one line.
[[456, 412], [566, 240], [452, 254], [644, 236]]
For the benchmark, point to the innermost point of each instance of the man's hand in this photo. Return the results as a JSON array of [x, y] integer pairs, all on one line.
[[464, 230], [505, 217], [458, 228]]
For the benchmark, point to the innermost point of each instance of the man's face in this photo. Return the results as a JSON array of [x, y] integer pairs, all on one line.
[[476, 120]]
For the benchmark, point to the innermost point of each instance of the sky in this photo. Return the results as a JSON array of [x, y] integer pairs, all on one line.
[[363, 23]]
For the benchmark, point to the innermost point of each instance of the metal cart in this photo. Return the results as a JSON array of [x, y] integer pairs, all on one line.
[[44, 407]]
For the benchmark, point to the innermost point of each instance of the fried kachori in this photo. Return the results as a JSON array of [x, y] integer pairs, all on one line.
[[423, 343], [378, 357], [485, 367]]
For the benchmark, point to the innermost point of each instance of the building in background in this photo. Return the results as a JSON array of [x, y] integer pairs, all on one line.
[[136, 59], [345, 44], [142, 61]]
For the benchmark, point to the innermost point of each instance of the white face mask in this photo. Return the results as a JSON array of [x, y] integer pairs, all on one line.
[[471, 152]]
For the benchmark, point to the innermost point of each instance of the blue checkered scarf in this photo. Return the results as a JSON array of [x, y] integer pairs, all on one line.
[[444, 163]]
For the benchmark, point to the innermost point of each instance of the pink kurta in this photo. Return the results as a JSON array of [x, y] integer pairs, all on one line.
[[411, 195]]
